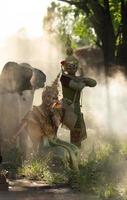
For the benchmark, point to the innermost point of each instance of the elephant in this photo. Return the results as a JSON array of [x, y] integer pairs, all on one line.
[[18, 83]]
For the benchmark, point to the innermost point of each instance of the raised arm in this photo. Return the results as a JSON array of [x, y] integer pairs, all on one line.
[[72, 83], [89, 82], [76, 85]]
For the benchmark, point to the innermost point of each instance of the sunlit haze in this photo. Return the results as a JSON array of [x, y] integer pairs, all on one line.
[[21, 35], [25, 18], [16, 14], [22, 38]]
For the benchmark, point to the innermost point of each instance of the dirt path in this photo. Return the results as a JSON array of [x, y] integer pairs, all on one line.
[[58, 194], [28, 190]]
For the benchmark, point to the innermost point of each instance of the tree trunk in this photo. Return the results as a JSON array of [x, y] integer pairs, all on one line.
[[103, 26], [122, 48], [108, 40]]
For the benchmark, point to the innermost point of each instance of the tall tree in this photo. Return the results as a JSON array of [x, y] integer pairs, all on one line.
[[108, 19]]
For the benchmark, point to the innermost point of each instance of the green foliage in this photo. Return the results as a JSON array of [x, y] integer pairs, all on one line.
[[88, 22], [41, 168], [101, 172], [13, 160], [95, 169], [115, 10], [32, 169], [62, 20], [123, 150], [109, 191], [82, 30], [38, 169], [54, 178]]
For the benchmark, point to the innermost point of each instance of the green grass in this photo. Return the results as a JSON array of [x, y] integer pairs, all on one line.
[[12, 160], [39, 169], [102, 170]]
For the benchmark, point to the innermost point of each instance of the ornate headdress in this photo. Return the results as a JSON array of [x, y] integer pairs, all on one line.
[[70, 58], [51, 89]]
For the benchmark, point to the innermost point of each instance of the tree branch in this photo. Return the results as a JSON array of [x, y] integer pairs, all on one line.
[[96, 7], [81, 5], [71, 2]]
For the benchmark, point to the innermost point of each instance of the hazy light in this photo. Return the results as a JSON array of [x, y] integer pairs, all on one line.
[[16, 14]]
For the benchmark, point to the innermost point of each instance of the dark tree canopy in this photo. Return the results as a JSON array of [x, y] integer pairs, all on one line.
[[100, 22]]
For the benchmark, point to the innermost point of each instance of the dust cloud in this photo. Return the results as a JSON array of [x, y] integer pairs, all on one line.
[[39, 52], [104, 106]]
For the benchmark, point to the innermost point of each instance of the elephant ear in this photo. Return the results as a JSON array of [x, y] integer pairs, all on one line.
[[39, 78]]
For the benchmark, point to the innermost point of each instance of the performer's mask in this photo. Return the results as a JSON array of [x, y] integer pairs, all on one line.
[[71, 67]]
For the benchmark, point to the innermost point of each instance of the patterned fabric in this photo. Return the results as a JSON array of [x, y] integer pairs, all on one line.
[[37, 117], [39, 125]]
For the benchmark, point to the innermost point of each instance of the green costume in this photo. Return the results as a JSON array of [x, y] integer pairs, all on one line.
[[72, 86]]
